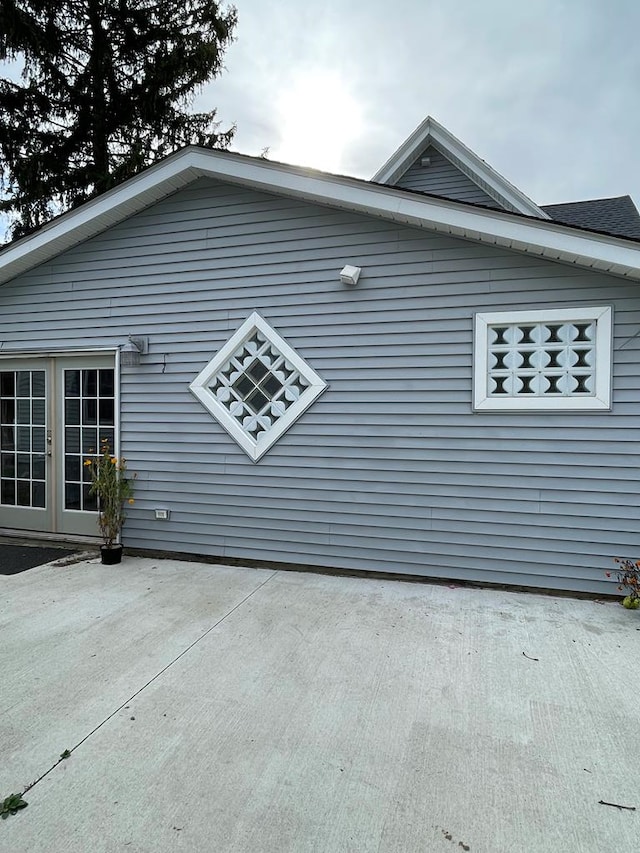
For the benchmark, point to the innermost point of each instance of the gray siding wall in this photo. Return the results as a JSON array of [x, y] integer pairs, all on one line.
[[389, 469], [443, 178]]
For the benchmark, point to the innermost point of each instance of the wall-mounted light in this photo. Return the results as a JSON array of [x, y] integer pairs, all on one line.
[[425, 161], [350, 275], [131, 351]]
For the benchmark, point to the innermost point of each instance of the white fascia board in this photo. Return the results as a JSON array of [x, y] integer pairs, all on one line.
[[476, 169], [480, 171], [539, 237], [534, 236], [404, 156], [96, 215]]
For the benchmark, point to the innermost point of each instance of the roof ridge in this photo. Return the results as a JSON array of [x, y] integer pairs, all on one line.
[[588, 200], [431, 132]]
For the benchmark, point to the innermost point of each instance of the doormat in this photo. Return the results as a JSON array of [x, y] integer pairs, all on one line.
[[18, 558]]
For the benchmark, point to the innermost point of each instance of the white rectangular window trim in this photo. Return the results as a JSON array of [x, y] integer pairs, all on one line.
[[549, 360]]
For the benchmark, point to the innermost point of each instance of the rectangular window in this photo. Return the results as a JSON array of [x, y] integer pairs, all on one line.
[[551, 360]]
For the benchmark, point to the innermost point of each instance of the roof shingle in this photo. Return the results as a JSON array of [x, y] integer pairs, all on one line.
[[617, 216]]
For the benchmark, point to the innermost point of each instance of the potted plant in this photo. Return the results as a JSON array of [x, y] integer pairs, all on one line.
[[112, 488], [629, 579]]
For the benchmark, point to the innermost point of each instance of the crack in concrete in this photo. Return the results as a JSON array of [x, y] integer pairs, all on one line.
[[151, 680]]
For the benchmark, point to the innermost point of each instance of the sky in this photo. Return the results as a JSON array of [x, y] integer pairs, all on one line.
[[546, 91]]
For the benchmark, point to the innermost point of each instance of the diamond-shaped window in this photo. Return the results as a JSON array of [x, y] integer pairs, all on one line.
[[257, 386]]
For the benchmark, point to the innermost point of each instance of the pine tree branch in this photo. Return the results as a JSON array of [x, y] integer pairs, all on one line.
[[106, 90]]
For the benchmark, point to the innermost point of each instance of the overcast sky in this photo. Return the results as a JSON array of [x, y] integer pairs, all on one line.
[[546, 91]]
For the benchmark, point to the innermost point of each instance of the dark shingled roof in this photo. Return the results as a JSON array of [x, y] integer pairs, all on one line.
[[617, 216]]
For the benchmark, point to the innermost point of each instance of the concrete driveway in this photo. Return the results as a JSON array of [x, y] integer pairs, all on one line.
[[210, 708]]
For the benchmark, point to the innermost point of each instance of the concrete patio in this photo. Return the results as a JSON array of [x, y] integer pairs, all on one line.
[[211, 708]]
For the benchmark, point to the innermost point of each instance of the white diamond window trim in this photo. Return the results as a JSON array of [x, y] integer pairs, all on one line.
[[257, 386], [556, 359]]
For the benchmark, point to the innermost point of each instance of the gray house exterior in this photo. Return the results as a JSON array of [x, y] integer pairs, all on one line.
[[475, 394]]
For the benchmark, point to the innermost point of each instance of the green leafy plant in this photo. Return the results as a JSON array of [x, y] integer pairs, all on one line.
[[114, 491], [12, 804], [629, 579]]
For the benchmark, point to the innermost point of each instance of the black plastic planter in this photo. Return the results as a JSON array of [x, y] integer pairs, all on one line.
[[111, 555]]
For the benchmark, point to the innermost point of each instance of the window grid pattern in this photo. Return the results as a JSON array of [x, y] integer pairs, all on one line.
[[89, 412], [257, 385], [542, 359], [23, 436]]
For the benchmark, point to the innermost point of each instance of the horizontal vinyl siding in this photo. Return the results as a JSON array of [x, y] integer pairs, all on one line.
[[441, 177], [389, 469]]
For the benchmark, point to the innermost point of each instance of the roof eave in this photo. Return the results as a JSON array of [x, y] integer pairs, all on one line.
[[98, 214], [528, 234]]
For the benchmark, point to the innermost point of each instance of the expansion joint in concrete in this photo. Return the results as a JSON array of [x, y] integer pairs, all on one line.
[[68, 752]]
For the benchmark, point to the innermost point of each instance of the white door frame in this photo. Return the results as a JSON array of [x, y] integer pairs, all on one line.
[[61, 522]]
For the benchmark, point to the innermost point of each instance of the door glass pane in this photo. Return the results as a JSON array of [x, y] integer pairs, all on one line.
[[23, 383], [106, 412], [89, 501], [72, 468], [89, 441], [7, 465], [23, 468], [23, 493], [24, 411], [71, 412], [38, 439], [24, 439], [106, 435], [72, 439], [89, 411], [22, 404], [38, 494], [7, 492], [89, 400], [38, 415], [106, 386], [7, 383], [38, 466], [89, 383], [7, 438], [38, 385], [72, 383], [7, 410], [72, 496]]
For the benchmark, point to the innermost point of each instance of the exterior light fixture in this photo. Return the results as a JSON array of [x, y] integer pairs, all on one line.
[[131, 351], [350, 275], [425, 161]]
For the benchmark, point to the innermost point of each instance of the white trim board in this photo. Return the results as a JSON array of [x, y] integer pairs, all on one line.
[[601, 397], [199, 387], [536, 236], [30, 352], [431, 132]]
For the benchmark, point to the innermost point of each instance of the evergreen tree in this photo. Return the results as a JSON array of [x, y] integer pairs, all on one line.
[[105, 91]]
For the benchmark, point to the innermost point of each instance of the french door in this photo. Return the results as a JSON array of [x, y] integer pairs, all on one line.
[[54, 412]]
